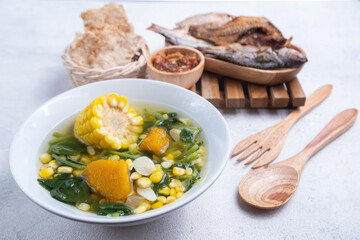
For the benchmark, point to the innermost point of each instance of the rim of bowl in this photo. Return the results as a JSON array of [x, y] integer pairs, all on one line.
[[198, 53], [120, 220]]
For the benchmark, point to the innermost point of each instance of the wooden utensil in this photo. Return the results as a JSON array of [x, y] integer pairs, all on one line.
[[269, 142], [273, 186]]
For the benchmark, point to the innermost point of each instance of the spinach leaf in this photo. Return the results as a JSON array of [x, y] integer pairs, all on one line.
[[171, 120], [114, 207], [67, 189], [194, 177], [165, 180], [187, 136], [69, 146]]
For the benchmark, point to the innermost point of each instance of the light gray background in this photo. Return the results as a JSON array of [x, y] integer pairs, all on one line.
[[327, 202]]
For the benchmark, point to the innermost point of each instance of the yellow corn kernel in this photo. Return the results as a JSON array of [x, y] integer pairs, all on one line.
[[53, 164], [135, 176], [172, 192], [85, 159], [161, 199], [133, 147], [75, 157], [146, 204], [143, 182], [156, 177], [139, 210], [200, 164], [167, 164], [42, 167], [179, 194], [154, 157], [114, 157], [189, 171], [83, 206], [170, 199], [178, 189], [158, 168], [157, 205], [78, 172], [174, 183], [95, 197], [46, 173], [65, 169], [129, 163], [164, 191], [165, 116], [90, 150], [170, 156], [176, 153], [202, 150], [45, 158], [178, 171]]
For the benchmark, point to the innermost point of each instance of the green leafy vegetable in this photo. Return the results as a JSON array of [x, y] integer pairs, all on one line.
[[192, 149], [194, 177], [171, 120], [189, 157], [124, 154], [165, 180], [67, 146], [62, 160], [67, 189], [114, 208], [187, 136]]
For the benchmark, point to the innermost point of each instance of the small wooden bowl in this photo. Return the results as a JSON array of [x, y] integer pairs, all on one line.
[[253, 75], [184, 79]]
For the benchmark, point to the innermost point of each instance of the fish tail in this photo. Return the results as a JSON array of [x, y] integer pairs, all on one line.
[[154, 28]]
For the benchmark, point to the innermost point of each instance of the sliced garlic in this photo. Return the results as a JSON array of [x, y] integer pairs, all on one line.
[[144, 165], [175, 134], [147, 193], [134, 201]]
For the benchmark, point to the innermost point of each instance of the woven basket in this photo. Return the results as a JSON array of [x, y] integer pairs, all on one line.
[[81, 75]]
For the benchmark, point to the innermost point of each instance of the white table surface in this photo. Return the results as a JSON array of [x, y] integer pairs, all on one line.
[[327, 202]]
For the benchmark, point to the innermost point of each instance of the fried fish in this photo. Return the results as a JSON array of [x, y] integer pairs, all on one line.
[[216, 20], [257, 57], [256, 31], [179, 36]]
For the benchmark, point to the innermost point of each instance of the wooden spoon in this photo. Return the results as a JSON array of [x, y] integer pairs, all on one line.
[[273, 186]]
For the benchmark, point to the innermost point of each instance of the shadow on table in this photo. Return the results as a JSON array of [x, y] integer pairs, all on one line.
[[163, 226], [256, 211]]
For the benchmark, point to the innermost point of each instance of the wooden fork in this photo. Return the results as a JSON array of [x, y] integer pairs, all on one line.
[[269, 142]]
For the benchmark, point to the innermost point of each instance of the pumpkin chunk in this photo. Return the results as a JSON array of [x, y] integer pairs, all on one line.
[[110, 178], [157, 141]]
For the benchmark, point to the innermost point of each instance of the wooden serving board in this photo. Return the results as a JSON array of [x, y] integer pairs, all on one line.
[[249, 74], [225, 92]]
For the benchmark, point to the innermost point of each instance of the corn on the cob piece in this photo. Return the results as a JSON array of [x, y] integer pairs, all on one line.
[[108, 122]]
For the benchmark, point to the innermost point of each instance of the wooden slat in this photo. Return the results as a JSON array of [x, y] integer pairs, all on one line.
[[296, 93], [210, 88], [193, 89], [234, 93], [258, 96], [222, 103], [278, 96]]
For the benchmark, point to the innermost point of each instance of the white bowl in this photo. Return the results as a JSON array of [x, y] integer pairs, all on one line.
[[31, 139]]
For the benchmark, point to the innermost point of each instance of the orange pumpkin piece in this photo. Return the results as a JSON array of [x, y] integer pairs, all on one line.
[[157, 141], [110, 178]]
